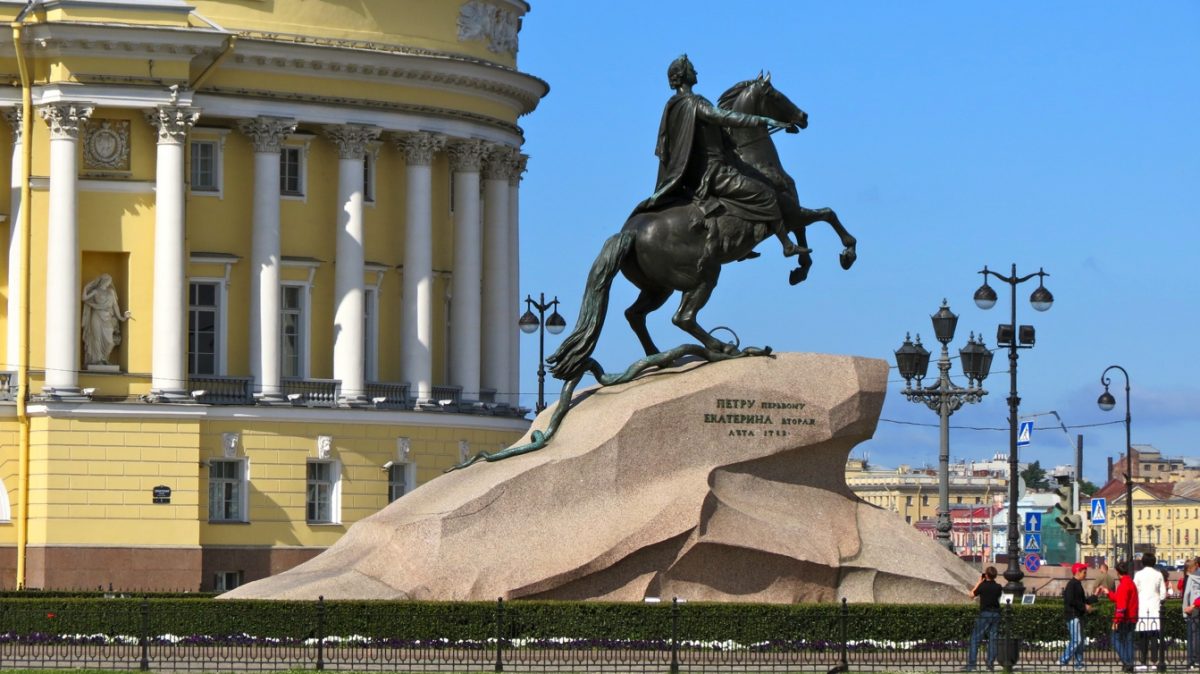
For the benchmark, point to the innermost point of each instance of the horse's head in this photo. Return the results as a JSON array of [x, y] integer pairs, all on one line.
[[759, 97]]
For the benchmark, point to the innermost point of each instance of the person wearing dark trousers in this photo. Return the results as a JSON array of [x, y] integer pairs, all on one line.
[[1191, 612], [988, 621], [1076, 604], [1125, 612], [1151, 592]]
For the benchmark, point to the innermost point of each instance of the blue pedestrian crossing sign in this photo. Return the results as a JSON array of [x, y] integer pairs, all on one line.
[[1099, 511], [1033, 522], [1025, 433], [1033, 543]]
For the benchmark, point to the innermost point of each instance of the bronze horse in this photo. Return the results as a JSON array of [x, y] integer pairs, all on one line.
[[660, 252]]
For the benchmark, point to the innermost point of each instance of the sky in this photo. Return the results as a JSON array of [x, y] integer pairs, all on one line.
[[947, 136]]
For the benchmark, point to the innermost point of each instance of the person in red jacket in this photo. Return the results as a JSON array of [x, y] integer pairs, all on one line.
[[1124, 616]]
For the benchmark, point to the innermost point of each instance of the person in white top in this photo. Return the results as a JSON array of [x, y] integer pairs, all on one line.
[[1152, 591]]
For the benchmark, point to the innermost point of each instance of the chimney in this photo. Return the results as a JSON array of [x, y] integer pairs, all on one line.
[[1110, 473]]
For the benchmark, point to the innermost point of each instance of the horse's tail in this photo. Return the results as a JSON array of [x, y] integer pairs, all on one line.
[[570, 360]]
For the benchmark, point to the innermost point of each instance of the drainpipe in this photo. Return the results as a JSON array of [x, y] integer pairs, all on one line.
[[24, 230], [212, 67]]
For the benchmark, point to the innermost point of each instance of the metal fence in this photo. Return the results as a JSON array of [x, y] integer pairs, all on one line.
[[139, 634]]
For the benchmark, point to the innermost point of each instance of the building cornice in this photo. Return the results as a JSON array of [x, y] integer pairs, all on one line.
[[119, 411]]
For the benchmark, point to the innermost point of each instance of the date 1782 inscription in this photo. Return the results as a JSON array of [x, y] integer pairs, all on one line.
[[745, 418]]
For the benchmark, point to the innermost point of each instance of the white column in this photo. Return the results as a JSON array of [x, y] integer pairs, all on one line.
[[266, 133], [168, 373], [466, 296], [349, 358], [62, 248], [15, 277], [498, 325], [514, 277], [416, 343]]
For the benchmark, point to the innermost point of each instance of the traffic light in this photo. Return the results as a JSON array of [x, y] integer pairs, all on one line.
[[1093, 535], [1064, 510]]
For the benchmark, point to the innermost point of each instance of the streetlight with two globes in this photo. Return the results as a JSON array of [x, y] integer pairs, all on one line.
[[1014, 337], [530, 323]]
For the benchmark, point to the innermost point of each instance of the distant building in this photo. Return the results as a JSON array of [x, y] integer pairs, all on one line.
[[1166, 520], [913, 494], [1149, 465]]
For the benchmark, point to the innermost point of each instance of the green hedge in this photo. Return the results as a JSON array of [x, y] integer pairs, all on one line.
[[744, 623]]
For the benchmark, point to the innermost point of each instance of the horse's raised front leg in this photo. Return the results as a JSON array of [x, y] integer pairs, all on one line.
[[694, 300], [649, 300], [849, 243], [804, 262]]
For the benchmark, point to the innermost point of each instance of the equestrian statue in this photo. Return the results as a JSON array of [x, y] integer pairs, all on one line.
[[721, 190]]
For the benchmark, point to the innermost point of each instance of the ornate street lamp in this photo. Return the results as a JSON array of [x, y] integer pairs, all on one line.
[[943, 396], [529, 323], [1106, 403], [1014, 337]]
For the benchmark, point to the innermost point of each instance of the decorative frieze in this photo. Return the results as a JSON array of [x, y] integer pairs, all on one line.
[[418, 148], [65, 119], [466, 155], [353, 140], [479, 20], [173, 122], [106, 145], [267, 133]]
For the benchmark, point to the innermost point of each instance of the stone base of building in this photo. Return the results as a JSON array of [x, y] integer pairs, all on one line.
[[134, 569]]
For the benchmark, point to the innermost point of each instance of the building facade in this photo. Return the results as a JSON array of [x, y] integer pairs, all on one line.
[[913, 494], [262, 275], [1166, 521]]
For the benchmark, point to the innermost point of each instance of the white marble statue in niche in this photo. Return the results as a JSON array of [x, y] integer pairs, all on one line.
[[102, 318]]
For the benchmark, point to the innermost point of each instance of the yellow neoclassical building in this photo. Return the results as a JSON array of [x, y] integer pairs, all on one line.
[[261, 275]]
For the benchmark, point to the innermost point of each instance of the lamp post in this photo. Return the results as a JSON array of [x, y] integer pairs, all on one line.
[[530, 323], [943, 396], [1106, 403], [1014, 337]]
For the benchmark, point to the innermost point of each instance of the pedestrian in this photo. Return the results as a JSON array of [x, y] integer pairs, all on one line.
[[988, 591], [1125, 611], [1191, 611], [1151, 592], [1076, 604], [1106, 581]]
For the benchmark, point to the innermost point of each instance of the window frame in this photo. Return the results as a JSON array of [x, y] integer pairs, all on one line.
[[303, 331], [221, 580], [408, 470], [335, 491], [370, 173], [220, 344], [216, 138], [300, 144], [242, 482]]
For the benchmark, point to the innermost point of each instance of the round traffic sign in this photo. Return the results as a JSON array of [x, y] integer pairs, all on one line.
[[1032, 562]]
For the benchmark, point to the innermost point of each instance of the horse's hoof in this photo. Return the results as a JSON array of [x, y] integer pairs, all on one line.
[[798, 274], [848, 257]]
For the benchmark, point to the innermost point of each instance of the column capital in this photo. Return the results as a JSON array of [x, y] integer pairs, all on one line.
[[352, 139], [13, 117], [500, 162], [267, 133], [518, 169], [65, 119], [418, 147], [466, 155], [173, 122]]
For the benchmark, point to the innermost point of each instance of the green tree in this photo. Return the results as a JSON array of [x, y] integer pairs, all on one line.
[[1088, 487], [1034, 476]]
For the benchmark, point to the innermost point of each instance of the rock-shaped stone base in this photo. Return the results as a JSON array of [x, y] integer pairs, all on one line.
[[721, 482]]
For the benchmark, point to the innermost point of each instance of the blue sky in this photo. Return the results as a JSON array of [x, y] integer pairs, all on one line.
[[948, 136]]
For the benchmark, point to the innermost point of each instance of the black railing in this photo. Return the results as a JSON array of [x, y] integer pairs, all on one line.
[[388, 395], [532, 636], [311, 392]]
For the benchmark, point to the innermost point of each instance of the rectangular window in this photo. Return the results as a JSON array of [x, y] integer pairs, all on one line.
[[205, 166], [224, 581], [226, 491], [398, 481], [291, 327], [322, 482], [369, 178], [370, 353], [291, 171], [204, 315]]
